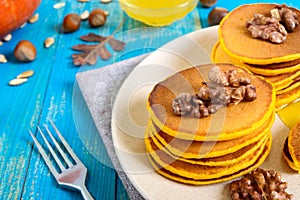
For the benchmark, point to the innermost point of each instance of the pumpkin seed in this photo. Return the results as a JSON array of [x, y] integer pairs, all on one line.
[[17, 81], [59, 5], [8, 37], [25, 74], [105, 1], [49, 42], [23, 25], [83, 1], [33, 18], [3, 59], [84, 15]]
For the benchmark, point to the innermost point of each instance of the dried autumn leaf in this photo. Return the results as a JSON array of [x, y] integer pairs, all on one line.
[[84, 47], [116, 45], [84, 58], [92, 37], [104, 53], [90, 52]]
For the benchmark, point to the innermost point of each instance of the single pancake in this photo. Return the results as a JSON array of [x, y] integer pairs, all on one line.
[[224, 160], [200, 149], [283, 80], [228, 123], [218, 55]]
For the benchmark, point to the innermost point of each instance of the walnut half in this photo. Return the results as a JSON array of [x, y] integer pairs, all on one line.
[[260, 184]]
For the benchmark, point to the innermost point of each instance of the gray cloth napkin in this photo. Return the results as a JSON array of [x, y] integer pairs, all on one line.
[[99, 87]]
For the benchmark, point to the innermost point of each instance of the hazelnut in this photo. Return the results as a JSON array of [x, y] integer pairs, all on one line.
[[216, 15], [25, 51], [208, 3], [97, 18], [71, 23]]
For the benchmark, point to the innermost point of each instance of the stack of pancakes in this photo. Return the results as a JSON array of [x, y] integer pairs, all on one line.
[[279, 63], [227, 144]]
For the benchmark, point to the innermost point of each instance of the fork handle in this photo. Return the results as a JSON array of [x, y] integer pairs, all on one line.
[[86, 194]]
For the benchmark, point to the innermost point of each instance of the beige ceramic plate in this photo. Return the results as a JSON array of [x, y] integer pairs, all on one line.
[[129, 119]]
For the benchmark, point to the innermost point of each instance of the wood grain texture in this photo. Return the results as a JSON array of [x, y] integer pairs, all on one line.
[[48, 94]]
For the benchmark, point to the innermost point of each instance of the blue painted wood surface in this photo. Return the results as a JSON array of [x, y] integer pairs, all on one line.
[[49, 94]]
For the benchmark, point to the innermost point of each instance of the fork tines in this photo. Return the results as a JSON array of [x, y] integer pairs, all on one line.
[[53, 153]]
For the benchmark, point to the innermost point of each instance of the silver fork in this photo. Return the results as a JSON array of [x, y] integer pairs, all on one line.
[[71, 177]]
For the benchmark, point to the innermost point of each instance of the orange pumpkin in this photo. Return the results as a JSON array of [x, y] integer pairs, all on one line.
[[14, 13]]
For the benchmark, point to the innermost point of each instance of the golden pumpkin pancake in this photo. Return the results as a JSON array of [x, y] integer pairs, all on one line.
[[280, 65], [201, 149], [206, 174], [228, 159], [292, 86], [287, 157], [269, 71], [218, 55], [279, 82], [287, 97], [238, 43], [228, 123], [293, 144], [283, 80]]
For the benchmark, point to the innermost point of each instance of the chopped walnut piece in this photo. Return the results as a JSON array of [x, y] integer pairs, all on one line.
[[217, 76], [182, 104], [204, 93], [238, 94], [266, 28], [274, 28], [288, 17], [221, 95], [232, 78], [214, 95], [244, 81], [260, 184], [250, 93]]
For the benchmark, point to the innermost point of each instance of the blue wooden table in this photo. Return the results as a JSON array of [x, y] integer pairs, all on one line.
[[49, 95]]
